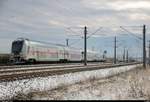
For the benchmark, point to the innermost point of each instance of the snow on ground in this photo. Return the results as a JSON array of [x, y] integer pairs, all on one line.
[[23, 87], [133, 85]]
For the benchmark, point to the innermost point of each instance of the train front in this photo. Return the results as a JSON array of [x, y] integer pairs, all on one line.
[[16, 51]]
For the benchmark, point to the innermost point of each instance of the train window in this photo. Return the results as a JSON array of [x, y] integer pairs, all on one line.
[[17, 46]]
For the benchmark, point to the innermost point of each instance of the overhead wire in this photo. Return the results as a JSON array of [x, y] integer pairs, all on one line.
[[133, 35], [130, 33], [94, 32], [74, 32], [71, 12], [87, 36]]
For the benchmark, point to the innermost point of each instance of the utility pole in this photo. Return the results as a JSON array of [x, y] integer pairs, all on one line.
[[115, 50], [67, 42], [124, 55], [149, 54], [144, 46], [85, 45], [127, 57]]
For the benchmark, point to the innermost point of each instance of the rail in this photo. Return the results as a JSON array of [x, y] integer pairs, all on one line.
[[18, 74]]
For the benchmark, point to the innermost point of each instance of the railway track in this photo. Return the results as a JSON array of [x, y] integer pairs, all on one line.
[[26, 73], [9, 70], [39, 65]]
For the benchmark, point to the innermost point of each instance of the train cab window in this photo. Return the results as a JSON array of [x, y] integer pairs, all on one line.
[[17, 47]]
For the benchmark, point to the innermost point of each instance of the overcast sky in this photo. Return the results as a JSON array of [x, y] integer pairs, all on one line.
[[49, 20]]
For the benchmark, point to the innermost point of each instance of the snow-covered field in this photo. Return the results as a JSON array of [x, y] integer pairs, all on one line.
[[132, 85], [8, 90]]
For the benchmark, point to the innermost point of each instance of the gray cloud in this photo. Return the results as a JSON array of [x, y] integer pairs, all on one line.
[[48, 19]]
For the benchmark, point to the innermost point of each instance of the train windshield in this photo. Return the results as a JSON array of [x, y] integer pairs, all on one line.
[[17, 47]]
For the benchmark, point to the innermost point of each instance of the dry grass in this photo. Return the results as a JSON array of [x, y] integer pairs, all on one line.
[[136, 82], [139, 84]]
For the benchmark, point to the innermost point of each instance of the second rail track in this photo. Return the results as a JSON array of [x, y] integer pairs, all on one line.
[[19, 74]]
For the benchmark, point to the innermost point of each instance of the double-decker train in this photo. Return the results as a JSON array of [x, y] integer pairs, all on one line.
[[25, 50]]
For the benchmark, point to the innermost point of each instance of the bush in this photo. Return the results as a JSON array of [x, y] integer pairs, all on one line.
[[4, 58]]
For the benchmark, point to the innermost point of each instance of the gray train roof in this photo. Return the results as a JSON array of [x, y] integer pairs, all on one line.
[[59, 45], [42, 42]]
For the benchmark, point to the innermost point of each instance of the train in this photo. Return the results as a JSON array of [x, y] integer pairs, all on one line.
[[24, 50]]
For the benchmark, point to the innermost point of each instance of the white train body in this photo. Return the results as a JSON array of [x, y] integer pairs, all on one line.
[[24, 50]]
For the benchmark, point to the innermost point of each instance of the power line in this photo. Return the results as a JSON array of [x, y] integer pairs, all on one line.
[[122, 26], [75, 42], [88, 36], [94, 32], [130, 33], [75, 33], [132, 26]]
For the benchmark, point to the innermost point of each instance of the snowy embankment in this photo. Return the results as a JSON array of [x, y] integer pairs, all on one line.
[[10, 89]]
